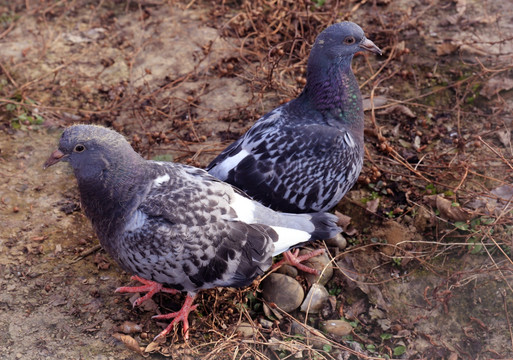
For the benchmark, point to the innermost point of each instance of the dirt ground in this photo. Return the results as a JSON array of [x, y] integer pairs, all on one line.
[[427, 273]]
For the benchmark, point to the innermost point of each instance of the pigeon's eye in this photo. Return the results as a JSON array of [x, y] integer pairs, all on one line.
[[349, 40], [79, 148]]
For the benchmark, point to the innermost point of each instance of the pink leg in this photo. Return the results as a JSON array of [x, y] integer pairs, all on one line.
[[149, 286], [292, 258], [181, 315]]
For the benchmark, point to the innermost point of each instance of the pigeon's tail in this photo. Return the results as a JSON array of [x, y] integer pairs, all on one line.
[[325, 226], [295, 229]]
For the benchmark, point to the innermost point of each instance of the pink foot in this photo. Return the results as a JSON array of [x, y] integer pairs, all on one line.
[[178, 316], [151, 287], [292, 258]]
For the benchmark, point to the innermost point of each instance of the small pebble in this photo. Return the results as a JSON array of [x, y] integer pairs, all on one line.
[[283, 290], [315, 299], [288, 270], [338, 241], [246, 330], [336, 327]]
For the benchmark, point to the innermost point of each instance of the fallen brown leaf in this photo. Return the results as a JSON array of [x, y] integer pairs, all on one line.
[[496, 85], [446, 48], [153, 347], [446, 208], [372, 205], [398, 108], [129, 342], [344, 222]]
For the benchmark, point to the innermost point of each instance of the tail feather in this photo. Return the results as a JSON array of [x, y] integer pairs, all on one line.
[[292, 229], [302, 228], [325, 226]]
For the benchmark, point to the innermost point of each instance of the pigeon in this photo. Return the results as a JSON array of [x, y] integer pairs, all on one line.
[[176, 228], [306, 154]]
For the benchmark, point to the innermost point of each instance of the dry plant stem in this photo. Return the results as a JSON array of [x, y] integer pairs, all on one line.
[[86, 253], [4, 70], [9, 29], [496, 152], [462, 180]]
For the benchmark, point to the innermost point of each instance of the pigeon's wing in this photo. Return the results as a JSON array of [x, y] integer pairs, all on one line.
[[189, 236], [299, 168], [229, 157]]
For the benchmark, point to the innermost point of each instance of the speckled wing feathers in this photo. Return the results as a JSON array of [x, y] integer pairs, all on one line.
[[189, 237], [296, 168]]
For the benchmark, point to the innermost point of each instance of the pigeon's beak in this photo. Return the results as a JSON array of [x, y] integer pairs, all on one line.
[[370, 46], [56, 156]]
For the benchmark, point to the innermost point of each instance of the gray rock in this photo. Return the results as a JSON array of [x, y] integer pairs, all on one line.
[[246, 330], [315, 299], [288, 270], [338, 241], [283, 290], [321, 263]]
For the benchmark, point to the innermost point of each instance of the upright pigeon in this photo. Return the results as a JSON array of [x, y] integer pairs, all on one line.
[[306, 154], [176, 225]]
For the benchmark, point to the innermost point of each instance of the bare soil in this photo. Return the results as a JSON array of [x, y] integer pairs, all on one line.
[[427, 273]]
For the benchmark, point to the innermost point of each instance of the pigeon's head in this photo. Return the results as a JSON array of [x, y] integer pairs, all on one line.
[[90, 150], [339, 42]]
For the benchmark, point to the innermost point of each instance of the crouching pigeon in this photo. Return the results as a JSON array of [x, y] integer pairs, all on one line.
[[306, 154], [175, 225]]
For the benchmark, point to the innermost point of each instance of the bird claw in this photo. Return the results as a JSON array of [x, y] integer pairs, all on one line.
[[294, 259], [150, 287], [181, 315]]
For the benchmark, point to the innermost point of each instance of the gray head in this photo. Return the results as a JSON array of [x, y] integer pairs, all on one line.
[[92, 149], [338, 43]]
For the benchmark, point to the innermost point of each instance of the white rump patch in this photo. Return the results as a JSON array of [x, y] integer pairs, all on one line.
[[161, 179], [244, 208], [229, 163], [349, 140], [137, 221], [287, 238]]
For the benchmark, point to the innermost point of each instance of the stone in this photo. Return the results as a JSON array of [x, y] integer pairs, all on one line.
[[288, 270], [283, 291], [338, 241], [246, 330], [315, 299], [336, 327]]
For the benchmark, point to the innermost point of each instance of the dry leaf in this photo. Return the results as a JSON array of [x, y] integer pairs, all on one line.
[[504, 137], [496, 85], [129, 342], [504, 192], [129, 327], [398, 108], [372, 205], [446, 208], [152, 347], [493, 205], [446, 48], [344, 222]]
